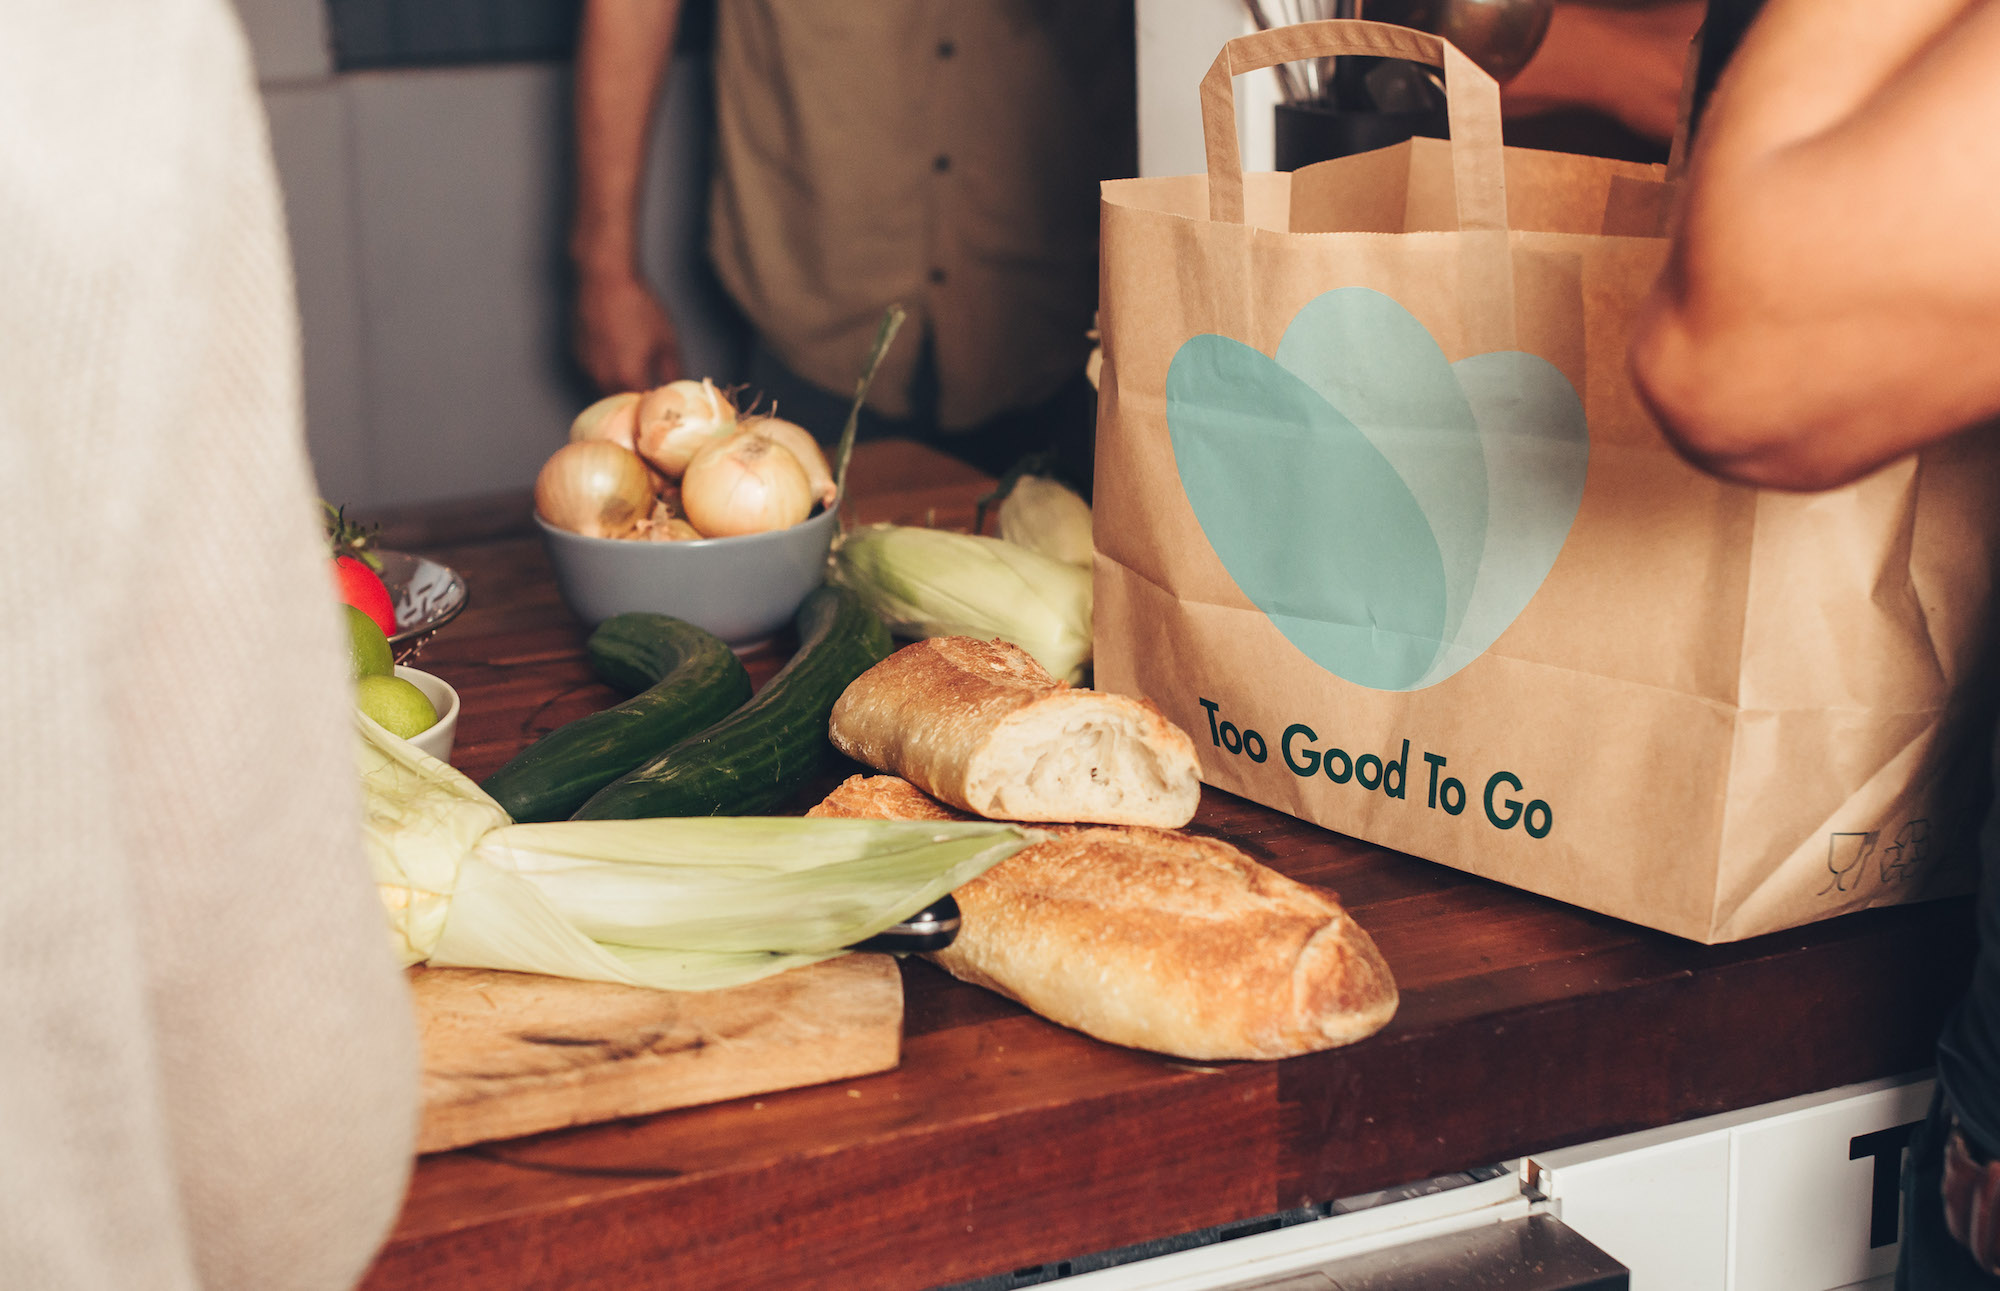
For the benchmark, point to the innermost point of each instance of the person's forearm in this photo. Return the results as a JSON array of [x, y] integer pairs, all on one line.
[[1835, 286], [621, 59], [1807, 65]]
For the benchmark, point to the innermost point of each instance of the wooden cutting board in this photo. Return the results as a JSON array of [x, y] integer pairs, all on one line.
[[507, 1054]]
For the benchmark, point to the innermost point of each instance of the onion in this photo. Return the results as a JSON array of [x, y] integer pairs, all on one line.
[[594, 488], [675, 530], [666, 524], [798, 441], [678, 420], [614, 417], [747, 483]]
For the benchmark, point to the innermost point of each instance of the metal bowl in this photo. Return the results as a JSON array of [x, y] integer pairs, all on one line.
[[426, 595]]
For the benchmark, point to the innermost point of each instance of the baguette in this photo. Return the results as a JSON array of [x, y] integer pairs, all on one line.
[[1154, 939], [981, 725]]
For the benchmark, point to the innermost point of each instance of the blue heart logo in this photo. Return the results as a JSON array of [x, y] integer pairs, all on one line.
[[1390, 511]]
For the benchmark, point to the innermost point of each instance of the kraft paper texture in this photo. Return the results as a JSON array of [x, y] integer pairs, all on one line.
[[1381, 523]]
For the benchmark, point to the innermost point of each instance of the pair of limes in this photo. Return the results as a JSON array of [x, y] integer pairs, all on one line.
[[397, 704]]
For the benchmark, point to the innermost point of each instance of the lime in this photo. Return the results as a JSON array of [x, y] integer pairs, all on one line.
[[396, 704], [372, 657]]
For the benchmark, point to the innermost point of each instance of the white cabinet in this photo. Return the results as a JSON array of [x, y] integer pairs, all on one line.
[[1659, 1208], [1800, 1195]]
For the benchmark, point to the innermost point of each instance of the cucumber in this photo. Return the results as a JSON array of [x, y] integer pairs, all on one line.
[[686, 679], [762, 754]]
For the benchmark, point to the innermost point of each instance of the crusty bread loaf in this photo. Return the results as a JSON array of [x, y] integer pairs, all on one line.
[[885, 797], [981, 725], [1155, 939]]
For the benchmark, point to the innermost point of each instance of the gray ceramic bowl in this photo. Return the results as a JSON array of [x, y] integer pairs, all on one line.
[[742, 589]]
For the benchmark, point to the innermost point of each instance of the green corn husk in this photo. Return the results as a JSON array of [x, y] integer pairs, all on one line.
[[676, 904], [933, 583], [1046, 516]]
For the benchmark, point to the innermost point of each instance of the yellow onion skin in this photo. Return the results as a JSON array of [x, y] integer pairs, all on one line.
[[614, 417], [747, 483], [595, 488], [678, 420], [799, 442], [666, 524], [675, 530]]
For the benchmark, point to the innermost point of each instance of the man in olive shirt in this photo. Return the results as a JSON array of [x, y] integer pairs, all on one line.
[[944, 156]]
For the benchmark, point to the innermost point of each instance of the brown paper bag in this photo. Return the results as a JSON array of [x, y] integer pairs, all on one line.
[[1381, 523]]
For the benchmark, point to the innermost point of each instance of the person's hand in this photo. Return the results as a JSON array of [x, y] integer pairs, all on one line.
[[624, 338], [1627, 63]]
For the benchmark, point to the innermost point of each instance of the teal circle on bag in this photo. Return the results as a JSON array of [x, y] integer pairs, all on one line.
[[1389, 511]]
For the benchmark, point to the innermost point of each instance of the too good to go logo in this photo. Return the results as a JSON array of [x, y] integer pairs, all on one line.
[[1389, 511], [1299, 748]]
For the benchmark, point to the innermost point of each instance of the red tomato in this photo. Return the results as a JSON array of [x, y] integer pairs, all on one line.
[[362, 588]]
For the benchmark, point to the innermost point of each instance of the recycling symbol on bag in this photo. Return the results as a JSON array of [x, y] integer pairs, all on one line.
[[1390, 511]]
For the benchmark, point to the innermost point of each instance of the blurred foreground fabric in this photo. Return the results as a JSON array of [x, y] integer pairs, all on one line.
[[208, 1067]]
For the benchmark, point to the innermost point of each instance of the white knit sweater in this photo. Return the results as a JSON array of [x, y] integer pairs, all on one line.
[[207, 1062]]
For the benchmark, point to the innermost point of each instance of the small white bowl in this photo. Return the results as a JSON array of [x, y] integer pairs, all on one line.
[[436, 741]]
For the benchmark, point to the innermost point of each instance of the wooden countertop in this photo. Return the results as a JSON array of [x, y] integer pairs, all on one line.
[[1004, 1141]]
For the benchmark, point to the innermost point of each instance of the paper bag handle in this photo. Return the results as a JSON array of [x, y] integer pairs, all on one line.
[[1472, 106], [1677, 152]]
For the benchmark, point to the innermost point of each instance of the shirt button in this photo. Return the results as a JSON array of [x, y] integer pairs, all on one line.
[[937, 275], [942, 164], [946, 49]]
